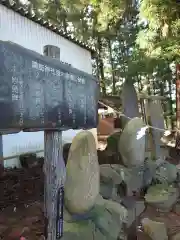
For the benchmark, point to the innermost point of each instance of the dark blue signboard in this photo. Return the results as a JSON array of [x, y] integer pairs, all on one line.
[[40, 93]]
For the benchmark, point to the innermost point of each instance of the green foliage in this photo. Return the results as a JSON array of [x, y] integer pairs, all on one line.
[[161, 37], [135, 40]]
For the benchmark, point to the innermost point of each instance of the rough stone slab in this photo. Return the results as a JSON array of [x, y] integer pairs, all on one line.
[[171, 220], [162, 196], [109, 173], [133, 178], [78, 230], [176, 208], [134, 208], [176, 236], [114, 176], [178, 172], [109, 181], [149, 172], [118, 181], [166, 172], [156, 230], [116, 208], [106, 190], [157, 120], [104, 222], [129, 100]]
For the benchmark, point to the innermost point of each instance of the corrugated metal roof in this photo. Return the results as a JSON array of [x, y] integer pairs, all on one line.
[[47, 24]]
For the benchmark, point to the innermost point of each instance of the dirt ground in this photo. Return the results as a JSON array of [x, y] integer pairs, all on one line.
[[21, 204]]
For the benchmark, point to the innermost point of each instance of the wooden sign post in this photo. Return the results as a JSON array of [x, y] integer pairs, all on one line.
[[42, 94], [55, 173], [53, 165], [178, 106]]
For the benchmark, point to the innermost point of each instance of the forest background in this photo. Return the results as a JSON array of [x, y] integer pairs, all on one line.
[[135, 40]]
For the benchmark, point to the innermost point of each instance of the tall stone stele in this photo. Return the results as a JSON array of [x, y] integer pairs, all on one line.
[[82, 176], [132, 143]]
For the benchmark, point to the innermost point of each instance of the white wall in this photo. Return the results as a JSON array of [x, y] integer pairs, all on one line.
[[20, 30]]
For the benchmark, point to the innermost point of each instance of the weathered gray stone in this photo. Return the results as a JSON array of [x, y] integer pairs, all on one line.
[[124, 120], [176, 236], [155, 230], [109, 181], [157, 120], [108, 173], [133, 178], [104, 222], [111, 219], [166, 172], [113, 216], [176, 208], [82, 174], [129, 100], [162, 196], [134, 208], [116, 208], [78, 230], [67, 216], [112, 142], [149, 172], [132, 143], [178, 172], [107, 189], [118, 181], [135, 182]]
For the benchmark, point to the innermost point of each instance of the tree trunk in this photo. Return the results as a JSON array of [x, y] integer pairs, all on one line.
[[101, 66], [112, 67], [170, 101]]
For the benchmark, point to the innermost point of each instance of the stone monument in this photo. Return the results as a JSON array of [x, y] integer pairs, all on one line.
[[82, 177]]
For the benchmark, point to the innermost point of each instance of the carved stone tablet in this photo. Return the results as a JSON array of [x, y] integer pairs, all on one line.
[[157, 120], [129, 100], [132, 143], [82, 177]]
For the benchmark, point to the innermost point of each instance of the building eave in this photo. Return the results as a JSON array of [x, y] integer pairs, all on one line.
[[44, 23]]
